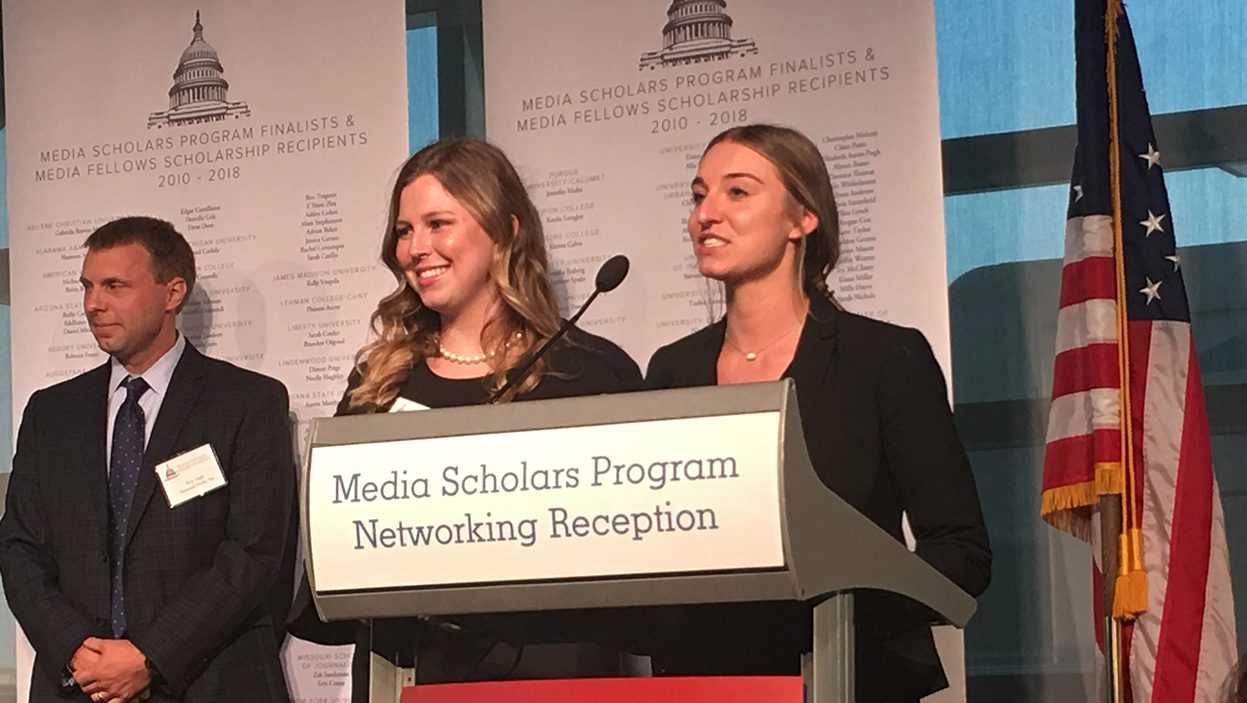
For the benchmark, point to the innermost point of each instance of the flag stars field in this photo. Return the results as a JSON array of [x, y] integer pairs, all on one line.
[[1153, 223]]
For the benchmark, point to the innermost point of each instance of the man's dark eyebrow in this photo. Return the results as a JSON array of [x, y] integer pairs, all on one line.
[[106, 282]]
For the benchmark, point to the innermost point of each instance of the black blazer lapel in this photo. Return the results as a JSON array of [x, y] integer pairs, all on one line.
[[95, 442], [816, 354], [703, 365], [184, 389]]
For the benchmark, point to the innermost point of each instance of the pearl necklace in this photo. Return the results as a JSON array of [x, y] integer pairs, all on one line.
[[465, 359], [473, 359], [753, 355]]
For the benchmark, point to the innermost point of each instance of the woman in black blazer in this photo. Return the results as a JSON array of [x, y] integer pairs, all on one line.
[[873, 403]]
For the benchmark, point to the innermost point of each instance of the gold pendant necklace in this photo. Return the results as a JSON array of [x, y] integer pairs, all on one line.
[[753, 355]]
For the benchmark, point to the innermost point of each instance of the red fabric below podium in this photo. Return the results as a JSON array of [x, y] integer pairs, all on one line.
[[691, 689]]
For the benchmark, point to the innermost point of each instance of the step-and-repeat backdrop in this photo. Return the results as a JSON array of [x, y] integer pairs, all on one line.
[[606, 113], [268, 133]]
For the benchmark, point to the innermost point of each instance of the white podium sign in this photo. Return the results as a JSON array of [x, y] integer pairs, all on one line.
[[684, 495]]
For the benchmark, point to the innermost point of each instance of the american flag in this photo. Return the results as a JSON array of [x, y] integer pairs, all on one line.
[[1179, 639]]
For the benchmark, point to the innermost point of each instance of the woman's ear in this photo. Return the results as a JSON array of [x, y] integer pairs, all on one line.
[[805, 223], [809, 221]]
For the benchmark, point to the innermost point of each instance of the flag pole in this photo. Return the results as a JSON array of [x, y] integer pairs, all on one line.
[[1114, 691], [1116, 508], [1130, 592], [1110, 532]]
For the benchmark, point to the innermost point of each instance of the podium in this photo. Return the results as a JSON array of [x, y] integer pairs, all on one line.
[[657, 498]]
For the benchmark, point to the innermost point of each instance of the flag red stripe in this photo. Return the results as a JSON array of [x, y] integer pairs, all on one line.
[[1072, 460], [1084, 368], [1090, 278], [1177, 652]]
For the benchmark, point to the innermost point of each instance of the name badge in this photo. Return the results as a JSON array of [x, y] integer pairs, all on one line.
[[403, 405], [190, 475]]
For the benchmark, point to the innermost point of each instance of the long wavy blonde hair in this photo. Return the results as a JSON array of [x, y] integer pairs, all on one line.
[[482, 179]]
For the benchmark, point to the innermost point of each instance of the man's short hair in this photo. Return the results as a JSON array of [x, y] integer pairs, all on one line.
[[171, 254]]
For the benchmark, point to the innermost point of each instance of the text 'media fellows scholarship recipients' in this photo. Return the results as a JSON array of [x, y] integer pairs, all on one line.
[[874, 410], [131, 581], [473, 303]]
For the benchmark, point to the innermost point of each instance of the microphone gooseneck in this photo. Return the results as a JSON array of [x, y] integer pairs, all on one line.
[[609, 276]]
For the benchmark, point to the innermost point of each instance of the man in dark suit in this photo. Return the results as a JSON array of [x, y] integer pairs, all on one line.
[[131, 581]]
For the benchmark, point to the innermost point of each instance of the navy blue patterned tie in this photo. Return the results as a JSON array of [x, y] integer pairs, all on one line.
[[129, 436]]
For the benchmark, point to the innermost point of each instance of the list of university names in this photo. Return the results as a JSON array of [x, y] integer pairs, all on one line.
[[279, 291], [577, 243], [293, 314], [853, 162]]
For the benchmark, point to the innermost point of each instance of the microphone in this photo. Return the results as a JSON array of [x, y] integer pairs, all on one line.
[[610, 275]]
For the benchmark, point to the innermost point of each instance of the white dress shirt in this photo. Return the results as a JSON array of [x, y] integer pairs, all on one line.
[[157, 377]]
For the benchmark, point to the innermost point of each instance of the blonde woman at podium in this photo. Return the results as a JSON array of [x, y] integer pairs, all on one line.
[[474, 297], [874, 409], [473, 301]]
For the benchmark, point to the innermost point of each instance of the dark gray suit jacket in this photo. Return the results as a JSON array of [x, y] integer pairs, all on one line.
[[874, 409], [198, 577]]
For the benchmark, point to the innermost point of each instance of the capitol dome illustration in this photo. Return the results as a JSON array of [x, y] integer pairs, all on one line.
[[697, 31], [199, 88]]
